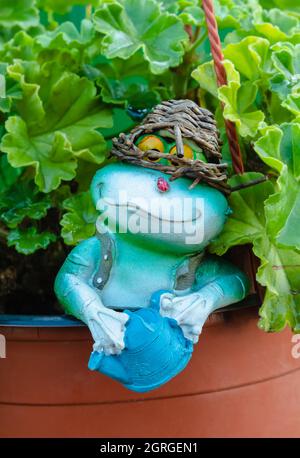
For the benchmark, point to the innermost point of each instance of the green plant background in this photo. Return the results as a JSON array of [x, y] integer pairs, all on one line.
[[75, 73]]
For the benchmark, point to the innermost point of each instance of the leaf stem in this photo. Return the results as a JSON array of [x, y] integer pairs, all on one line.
[[88, 11], [52, 24], [196, 34], [197, 42]]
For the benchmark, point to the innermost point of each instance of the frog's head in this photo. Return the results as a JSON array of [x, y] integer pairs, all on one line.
[[144, 205], [150, 199]]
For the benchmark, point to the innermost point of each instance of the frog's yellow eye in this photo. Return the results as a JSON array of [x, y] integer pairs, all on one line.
[[187, 151], [151, 142]]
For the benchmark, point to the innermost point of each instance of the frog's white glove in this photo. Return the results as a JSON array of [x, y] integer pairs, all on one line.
[[107, 327], [191, 311]]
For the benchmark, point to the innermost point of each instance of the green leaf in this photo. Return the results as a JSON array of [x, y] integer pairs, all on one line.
[[8, 174], [128, 82], [67, 34], [191, 13], [279, 310], [280, 266], [237, 14], [188, 11], [292, 103], [286, 80], [247, 222], [172, 6], [239, 101], [21, 13], [29, 240], [277, 25], [22, 200], [79, 222], [59, 115], [277, 113], [283, 211], [9, 90], [20, 46], [51, 158], [239, 98], [205, 75], [287, 5], [250, 57], [70, 46], [131, 25], [280, 145], [280, 273]]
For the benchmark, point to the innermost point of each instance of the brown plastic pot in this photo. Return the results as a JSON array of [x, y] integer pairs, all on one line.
[[241, 382]]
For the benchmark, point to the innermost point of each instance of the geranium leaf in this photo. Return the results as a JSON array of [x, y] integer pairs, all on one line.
[[9, 90], [277, 25], [66, 42], [250, 57], [247, 222], [20, 46], [8, 174], [280, 267], [53, 159], [205, 75], [29, 240], [21, 13], [280, 273], [238, 103], [283, 211], [279, 310], [79, 222], [236, 13], [23, 200], [131, 25], [292, 103], [279, 145], [59, 117], [286, 79]]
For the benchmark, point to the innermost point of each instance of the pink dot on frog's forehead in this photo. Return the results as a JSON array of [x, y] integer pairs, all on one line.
[[162, 184]]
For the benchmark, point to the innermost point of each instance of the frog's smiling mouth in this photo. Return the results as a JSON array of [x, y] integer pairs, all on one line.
[[145, 212]]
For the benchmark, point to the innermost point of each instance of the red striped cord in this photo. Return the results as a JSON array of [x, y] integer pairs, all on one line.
[[216, 51]]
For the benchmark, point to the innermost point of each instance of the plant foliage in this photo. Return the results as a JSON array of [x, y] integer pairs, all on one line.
[[74, 73]]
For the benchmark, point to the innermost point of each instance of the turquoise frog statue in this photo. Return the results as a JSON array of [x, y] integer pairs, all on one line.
[[143, 284]]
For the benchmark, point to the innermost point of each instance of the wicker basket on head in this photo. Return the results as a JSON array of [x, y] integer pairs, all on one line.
[[182, 119]]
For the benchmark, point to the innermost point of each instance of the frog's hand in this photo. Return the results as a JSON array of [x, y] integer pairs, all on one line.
[[74, 290], [224, 286], [107, 328]]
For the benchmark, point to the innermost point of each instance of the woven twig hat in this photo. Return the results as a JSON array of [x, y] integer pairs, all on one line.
[[181, 119]]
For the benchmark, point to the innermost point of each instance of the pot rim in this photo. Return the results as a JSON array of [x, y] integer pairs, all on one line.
[[40, 321], [68, 321]]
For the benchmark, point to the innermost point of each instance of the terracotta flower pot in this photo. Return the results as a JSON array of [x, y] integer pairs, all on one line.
[[241, 382]]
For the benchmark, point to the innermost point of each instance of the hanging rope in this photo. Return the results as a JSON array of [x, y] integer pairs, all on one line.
[[216, 51], [237, 161]]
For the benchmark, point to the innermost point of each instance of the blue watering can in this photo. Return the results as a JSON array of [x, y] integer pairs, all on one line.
[[155, 351]]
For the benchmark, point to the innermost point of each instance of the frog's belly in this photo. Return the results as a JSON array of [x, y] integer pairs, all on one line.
[[135, 295]]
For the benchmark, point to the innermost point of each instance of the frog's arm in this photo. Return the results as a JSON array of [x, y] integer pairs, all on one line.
[[74, 289], [218, 284]]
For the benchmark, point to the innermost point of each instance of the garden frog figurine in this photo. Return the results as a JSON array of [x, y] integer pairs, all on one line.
[[143, 284]]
